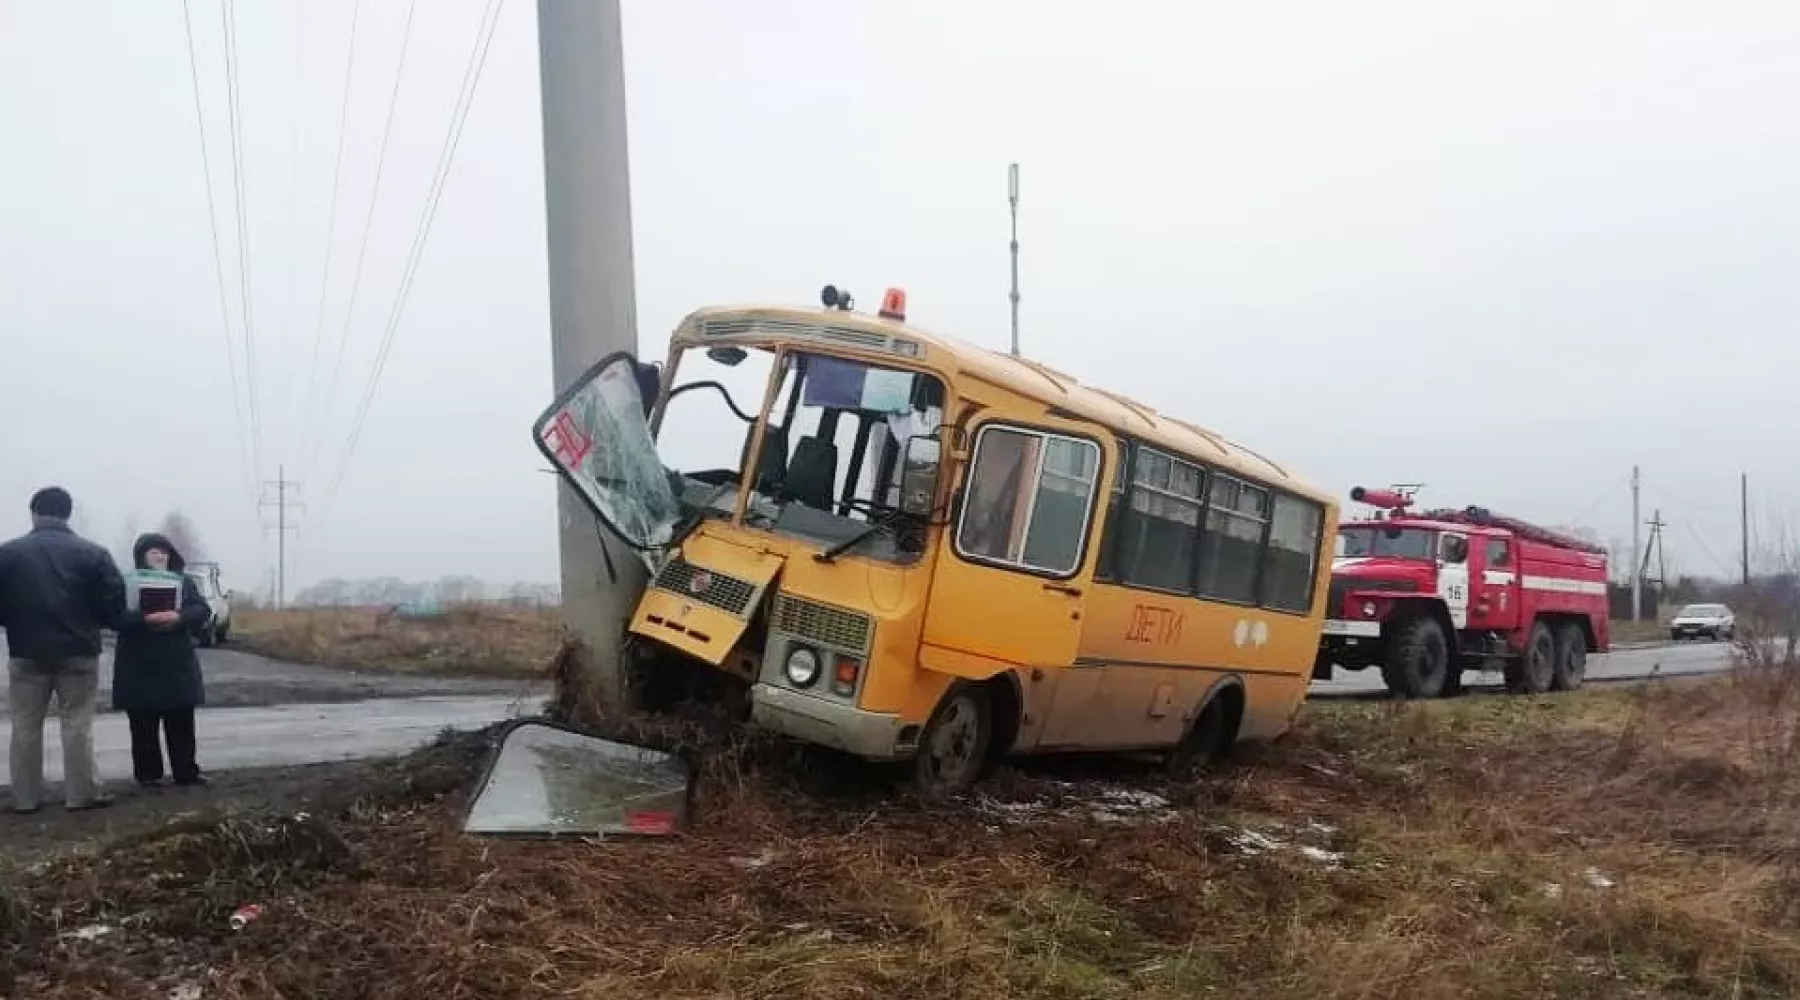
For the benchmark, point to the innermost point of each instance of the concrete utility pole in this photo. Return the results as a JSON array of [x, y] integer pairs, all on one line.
[[1744, 522], [1637, 578], [593, 306], [285, 490]]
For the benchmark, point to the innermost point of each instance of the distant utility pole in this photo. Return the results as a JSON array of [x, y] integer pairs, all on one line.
[[1012, 198], [1637, 578], [1656, 525], [593, 304], [1744, 522], [286, 497]]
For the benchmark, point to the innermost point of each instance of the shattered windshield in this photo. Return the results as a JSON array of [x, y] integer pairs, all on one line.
[[830, 467], [599, 438]]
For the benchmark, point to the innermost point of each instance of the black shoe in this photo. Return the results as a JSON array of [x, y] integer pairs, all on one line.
[[192, 781], [22, 811], [97, 802], [150, 784]]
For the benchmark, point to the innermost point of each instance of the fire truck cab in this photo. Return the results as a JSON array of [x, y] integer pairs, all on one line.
[[1425, 596]]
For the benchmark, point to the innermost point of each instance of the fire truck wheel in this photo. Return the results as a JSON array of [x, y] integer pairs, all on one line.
[[1535, 671], [1418, 664], [1571, 658], [954, 745]]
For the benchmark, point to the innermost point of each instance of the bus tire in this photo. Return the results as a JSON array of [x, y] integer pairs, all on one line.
[[1210, 739], [1418, 660], [1571, 658], [1535, 669], [953, 749]]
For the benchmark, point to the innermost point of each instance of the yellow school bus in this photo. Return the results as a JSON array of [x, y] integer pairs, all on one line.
[[910, 548]]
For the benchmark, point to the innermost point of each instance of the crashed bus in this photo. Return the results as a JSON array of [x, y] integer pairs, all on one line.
[[910, 548]]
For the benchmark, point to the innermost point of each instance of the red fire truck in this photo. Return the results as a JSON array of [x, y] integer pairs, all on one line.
[[1425, 596]]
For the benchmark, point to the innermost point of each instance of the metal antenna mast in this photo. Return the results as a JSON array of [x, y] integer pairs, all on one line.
[[1012, 197]]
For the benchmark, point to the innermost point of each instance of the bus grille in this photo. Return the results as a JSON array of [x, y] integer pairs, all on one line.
[[727, 593], [822, 624]]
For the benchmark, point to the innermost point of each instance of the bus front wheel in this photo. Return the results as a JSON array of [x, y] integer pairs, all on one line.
[[954, 746]]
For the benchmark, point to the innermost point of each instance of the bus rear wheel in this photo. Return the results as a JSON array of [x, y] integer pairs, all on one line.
[[954, 745]]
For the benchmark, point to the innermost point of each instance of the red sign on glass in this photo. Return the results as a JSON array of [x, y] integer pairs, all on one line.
[[566, 441]]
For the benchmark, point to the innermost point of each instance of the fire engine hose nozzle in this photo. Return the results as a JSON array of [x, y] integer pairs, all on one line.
[[1380, 498]]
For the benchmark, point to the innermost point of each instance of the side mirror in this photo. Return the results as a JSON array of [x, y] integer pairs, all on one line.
[[919, 475]]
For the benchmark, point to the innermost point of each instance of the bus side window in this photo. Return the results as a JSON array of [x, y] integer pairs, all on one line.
[[1159, 523], [1231, 544], [1028, 499], [1108, 569], [1292, 556]]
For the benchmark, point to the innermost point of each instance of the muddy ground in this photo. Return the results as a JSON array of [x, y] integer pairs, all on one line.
[[1614, 844], [26, 840]]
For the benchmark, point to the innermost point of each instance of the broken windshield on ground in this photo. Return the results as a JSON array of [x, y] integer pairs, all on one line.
[[550, 781], [600, 442]]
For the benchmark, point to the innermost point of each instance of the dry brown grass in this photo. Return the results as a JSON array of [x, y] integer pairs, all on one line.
[[806, 877], [1643, 630], [473, 640]]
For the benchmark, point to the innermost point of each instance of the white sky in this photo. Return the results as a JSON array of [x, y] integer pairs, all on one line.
[[1506, 253]]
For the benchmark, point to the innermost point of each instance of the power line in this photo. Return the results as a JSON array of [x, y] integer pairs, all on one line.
[[337, 172], [362, 252], [421, 234], [240, 186], [212, 219]]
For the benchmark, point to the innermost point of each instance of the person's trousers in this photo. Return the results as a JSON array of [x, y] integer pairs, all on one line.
[[75, 684], [177, 728]]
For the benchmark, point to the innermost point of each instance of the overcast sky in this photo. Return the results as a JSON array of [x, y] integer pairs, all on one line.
[[1505, 252]]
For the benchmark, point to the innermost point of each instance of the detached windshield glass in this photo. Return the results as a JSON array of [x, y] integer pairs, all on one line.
[[1389, 543]]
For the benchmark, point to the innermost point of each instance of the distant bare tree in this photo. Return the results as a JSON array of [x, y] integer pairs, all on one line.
[[180, 532], [1770, 608]]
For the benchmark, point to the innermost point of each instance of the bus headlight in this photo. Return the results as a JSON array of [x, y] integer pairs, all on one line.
[[802, 667]]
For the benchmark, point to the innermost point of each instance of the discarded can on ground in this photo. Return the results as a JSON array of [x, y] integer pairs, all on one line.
[[241, 917]]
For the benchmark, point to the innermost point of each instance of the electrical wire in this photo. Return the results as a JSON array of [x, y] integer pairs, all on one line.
[[362, 252], [337, 173], [422, 233], [212, 219], [240, 187]]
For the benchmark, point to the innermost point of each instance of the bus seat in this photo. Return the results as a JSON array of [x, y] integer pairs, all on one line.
[[773, 467], [813, 472]]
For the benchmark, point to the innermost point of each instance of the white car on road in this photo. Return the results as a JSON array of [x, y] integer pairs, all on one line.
[[218, 627], [1714, 621]]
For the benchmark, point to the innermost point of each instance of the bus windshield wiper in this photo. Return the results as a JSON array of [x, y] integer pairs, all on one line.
[[874, 528]]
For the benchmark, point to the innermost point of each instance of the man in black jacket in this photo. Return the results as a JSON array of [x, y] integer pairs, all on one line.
[[57, 591]]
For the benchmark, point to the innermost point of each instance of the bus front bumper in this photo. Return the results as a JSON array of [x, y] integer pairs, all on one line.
[[873, 735]]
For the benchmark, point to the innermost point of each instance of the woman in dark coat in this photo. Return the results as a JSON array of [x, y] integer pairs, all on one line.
[[156, 673]]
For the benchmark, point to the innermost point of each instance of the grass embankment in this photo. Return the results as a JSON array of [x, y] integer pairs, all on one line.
[[1615, 843], [472, 640]]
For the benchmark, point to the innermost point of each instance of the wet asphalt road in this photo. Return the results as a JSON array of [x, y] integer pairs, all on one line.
[[267, 713], [1622, 664], [264, 713]]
